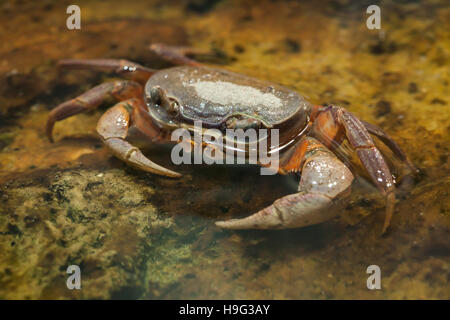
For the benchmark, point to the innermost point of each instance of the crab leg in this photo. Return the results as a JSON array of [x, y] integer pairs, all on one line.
[[387, 140], [129, 69], [324, 177], [121, 90], [372, 160], [332, 124], [113, 129], [175, 55]]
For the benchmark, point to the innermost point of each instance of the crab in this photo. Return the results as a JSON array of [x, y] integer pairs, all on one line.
[[156, 102]]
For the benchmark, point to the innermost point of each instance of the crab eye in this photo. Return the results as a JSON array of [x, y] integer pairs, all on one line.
[[156, 95]]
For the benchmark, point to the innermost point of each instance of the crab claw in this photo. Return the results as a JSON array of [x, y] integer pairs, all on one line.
[[324, 178], [113, 129], [292, 211], [125, 151]]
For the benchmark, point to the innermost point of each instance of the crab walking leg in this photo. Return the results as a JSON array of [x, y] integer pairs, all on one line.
[[323, 178], [175, 55], [332, 124], [128, 69], [387, 140], [120, 90], [113, 129], [371, 158]]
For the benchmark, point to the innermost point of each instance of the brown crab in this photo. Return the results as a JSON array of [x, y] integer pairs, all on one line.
[[176, 97]]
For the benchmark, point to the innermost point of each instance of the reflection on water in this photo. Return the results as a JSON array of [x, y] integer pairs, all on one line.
[[136, 235]]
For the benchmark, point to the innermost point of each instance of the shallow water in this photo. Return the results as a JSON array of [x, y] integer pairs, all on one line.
[[136, 235]]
